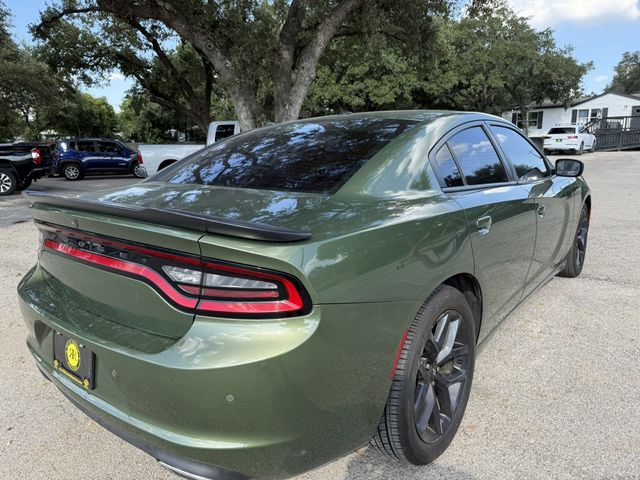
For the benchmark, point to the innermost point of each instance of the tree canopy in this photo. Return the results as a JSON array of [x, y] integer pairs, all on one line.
[[264, 54], [34, 99], [627, 74]]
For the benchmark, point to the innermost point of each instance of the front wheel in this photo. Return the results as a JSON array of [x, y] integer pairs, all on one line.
[[432, 381], [574, 260]]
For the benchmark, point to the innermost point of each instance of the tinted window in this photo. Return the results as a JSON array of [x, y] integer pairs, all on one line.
[[224, 131], [562, 130], [318, 156], [528, 163], [448, 168], [108, 147], [84, 146], [477, 157]]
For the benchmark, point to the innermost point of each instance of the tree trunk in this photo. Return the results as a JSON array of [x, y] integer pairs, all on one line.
[[291, 76]]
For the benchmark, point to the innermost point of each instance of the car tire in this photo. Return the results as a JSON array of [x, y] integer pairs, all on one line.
[[574, 261], [8, 182], [581, 149], [136, 171], [416, 431], [72, 172]]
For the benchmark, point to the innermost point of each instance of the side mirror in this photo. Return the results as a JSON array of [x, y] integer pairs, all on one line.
[[569, 167]]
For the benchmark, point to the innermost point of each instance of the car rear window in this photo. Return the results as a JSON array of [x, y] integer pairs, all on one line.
[[314, 156], [562, 130]]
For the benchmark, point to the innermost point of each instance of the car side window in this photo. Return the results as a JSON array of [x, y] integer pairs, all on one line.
[[529, 164], [448, 168], [107, 147], [84, 146], [477, 157], [224, 131]]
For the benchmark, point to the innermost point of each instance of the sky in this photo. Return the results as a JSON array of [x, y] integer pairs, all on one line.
[[599, 30]]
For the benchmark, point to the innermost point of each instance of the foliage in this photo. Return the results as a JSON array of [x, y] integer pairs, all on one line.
[[265, 53], [627, 74], [83, 115], [143, 121], [497, 61]]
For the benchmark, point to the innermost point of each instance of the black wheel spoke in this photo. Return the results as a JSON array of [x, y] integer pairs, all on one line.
[[423, 407], [447, 340], [441, 376]]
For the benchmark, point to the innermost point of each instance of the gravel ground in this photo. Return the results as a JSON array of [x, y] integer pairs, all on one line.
[[556, 393]]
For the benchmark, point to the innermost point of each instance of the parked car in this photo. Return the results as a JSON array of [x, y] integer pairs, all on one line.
[[282, 298], [23, 163], [82, 156], [158, 157], [569, 138]]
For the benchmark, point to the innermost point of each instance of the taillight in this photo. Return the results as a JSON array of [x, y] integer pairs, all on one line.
[[572, 137], [207, 287], [140, 161], [35, 155]]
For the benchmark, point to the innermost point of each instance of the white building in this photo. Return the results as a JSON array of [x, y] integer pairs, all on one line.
[[542, 117]]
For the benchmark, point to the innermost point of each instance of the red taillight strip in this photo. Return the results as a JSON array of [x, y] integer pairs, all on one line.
[[128, 267], [292, 304]]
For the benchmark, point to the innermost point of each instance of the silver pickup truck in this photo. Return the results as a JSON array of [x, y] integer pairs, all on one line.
[[156, 157]]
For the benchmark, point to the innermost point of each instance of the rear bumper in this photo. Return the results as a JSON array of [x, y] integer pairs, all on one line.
[[561, 147], [268, 399], [37, 173], [174, 463]]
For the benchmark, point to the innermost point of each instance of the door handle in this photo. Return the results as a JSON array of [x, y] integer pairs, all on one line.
[[484, 224], [541, 211]]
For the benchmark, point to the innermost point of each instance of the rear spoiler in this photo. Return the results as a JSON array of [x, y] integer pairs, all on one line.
[[173, 218]]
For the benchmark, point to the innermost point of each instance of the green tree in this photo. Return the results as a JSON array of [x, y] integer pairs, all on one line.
[[265, 53], [498, 61], [83, 115], [627, 74]]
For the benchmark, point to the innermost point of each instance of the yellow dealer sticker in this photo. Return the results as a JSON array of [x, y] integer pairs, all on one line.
[[72, 354]]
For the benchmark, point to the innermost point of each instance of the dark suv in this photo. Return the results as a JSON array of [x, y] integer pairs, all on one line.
[[23, 163], [82, 156]]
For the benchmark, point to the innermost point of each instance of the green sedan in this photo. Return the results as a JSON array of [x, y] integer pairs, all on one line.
[[279, 299]]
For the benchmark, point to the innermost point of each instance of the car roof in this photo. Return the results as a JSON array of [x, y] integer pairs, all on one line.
[[420, 115]]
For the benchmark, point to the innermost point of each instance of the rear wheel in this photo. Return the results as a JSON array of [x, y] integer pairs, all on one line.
[[71, 171], [432, 381], [581, 149], [575, 258], [8, 182]]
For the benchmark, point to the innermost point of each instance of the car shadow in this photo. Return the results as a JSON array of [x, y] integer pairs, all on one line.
[[368, 463]]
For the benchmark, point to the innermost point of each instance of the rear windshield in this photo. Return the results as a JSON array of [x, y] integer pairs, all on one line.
[[562, 130], [315, 156]]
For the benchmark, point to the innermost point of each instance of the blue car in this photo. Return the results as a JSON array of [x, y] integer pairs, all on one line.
[[97, 155]]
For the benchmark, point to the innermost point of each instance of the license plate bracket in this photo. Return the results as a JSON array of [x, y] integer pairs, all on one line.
[[74, 360]]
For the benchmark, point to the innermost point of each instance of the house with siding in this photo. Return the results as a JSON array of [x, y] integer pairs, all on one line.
[[541, 117]]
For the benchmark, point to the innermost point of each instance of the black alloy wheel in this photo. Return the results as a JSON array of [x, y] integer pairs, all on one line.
[[442, 373], [432, 380], [574, 260]]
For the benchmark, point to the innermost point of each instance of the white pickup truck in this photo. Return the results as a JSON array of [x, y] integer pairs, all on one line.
[[156, 157]]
